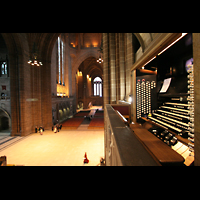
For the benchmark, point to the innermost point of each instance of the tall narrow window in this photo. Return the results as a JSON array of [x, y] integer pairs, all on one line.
[[95, 89], [3, 68], [97, 84], [59, 63], [62, 47], [61, 75], [100, 90]]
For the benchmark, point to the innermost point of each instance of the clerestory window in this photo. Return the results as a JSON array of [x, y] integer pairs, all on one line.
[[61, 61], [4, 70]]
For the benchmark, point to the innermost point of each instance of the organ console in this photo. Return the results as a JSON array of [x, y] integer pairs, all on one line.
[[171, 115], [145, 89]]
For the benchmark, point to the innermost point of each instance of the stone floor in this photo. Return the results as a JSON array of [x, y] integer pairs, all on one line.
[[65, 148]]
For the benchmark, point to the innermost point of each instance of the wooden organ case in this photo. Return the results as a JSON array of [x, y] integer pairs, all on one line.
[[165, 107]]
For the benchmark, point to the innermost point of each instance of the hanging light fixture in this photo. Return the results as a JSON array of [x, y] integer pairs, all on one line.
[[100, 60], [33, 60]]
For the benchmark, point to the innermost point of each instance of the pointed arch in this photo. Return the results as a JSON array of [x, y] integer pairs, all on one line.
[[138, 36], [83, 56]]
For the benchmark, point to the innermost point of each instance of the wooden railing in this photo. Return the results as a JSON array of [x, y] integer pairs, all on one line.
[[122, 147]]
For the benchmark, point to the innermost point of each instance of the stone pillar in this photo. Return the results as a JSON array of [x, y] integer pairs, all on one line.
[[35, 82], [122, 66], [89, 88], [46, 102], [117, 67], [134, 99], [68, 67], [112, 67], [129, 63], [84, 87], [70, 75], [106, 86], [14, 95]]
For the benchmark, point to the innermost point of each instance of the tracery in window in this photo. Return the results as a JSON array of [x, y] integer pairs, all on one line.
[[97, 84]]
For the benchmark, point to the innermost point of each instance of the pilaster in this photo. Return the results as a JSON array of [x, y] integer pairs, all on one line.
[[112, 67], [106, 86]]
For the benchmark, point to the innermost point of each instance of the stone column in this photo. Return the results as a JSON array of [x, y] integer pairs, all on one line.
[[106, 86], [46, 103], [121, 65], [129, 63], [112, 67], [68, 68], [117, 67], [133, 104]]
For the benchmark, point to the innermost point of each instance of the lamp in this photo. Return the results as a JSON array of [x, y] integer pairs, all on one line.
[[100, 60], [130, 99], [33, 60]]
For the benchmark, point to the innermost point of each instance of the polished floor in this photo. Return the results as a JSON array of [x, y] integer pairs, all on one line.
[[65, 148]]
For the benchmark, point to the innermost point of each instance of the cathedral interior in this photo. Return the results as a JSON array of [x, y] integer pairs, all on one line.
[[141, 90]]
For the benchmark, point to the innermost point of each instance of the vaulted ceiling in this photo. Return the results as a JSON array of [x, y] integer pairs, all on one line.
[[91, 67], [86, 39]]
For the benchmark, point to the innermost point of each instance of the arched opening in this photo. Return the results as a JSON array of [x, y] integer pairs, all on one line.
[[5, 105], [5, 122], [89, 90], [137, 42]]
